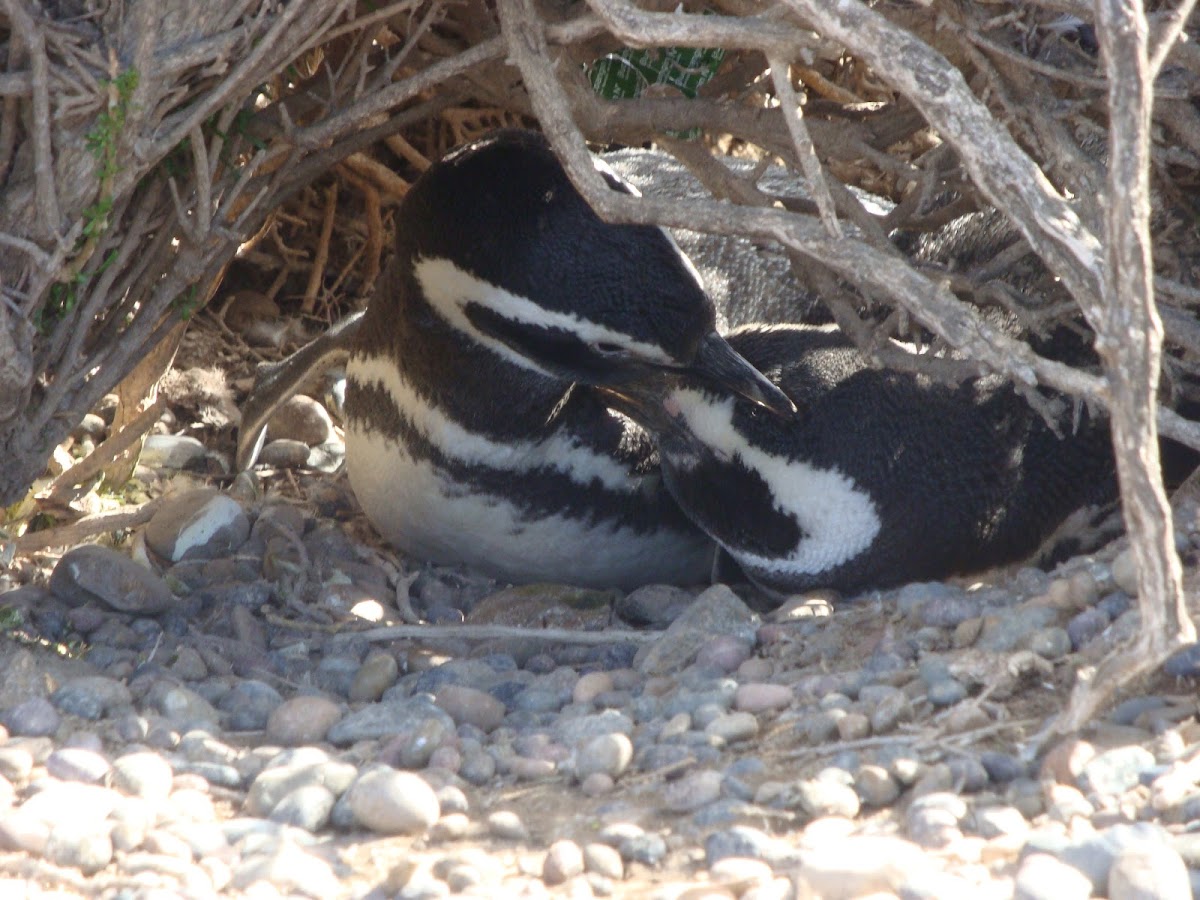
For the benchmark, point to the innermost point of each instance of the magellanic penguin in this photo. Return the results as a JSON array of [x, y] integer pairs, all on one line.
[[472, 434], [880, 478]]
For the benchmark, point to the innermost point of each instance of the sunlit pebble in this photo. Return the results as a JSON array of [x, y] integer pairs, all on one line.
[[370, 610]]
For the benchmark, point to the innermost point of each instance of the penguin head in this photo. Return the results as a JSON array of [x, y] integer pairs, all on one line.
[[503, 248]]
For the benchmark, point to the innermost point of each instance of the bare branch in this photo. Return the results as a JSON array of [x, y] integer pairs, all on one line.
[[1009, 178], [39, 66], [790, 104], [1130, 343]]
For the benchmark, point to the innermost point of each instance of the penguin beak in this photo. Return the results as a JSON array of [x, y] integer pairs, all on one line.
[[718, 363]]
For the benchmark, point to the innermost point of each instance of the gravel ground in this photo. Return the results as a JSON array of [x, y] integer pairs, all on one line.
[[223, 704]]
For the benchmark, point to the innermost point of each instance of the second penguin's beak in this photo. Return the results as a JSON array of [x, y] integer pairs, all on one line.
[[719, 364]]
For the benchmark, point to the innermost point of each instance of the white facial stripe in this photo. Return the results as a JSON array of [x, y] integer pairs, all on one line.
[[449, 289], [839, 518], [556, 451]]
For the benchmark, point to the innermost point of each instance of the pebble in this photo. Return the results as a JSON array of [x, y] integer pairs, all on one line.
[[718, 610], [294, 770], [1115, 771], [858, 866], [654, 605], [379, 672], [692, 791], [170, 451], [15, 763], [723, 654], [93, 571], [733, 727], [248, 707], [564, 860], [385, 719], [603, 860], [605, 754], [1042, 877], [819, 797], [77, 764], [1148, 871], [302, 419], [1050, 643], [36, 717], [507, 825], [758, 698], [199, 524], [945, 692], [1124, 572], [469, 706], [307, 807], [82, 846], [284, 454], [391, 802], [305, 719], [876, 786], [143, 774]]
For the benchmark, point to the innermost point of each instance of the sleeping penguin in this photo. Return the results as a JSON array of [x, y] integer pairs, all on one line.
[[881, 477]]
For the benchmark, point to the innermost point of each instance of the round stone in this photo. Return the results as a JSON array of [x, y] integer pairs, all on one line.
[[79, 845], [301, 419], [1148, 871], [945, 692], [302, 720], [723, 653], [170, 451], [391, 802], [603, 860], [564, 860], [820, 797], [35, 717], [377, 673], [1115, 771], [93, 571], [198, 524], [307, 807], [77, 764], [692, 791], [249, 705], [1050, 643], [1042, 877], [284, 454], [469, 706], [507, 825], [853, 726], [733, 727], [876, 786], [1124, 572], [756, 697], [590, 686], [607, 754], [143, 774]]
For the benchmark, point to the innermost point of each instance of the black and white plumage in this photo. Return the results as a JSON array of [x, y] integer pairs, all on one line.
[[466, 440], [881, 477]]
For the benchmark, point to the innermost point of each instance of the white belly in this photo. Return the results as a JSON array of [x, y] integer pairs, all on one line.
[[419, 510]]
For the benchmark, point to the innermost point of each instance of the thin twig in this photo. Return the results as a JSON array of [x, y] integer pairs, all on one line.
[[494, 632], [317, 272], [89, 526], [789, 102], [91, 465]]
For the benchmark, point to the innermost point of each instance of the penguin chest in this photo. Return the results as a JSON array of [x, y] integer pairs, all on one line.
[[520, 510]]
